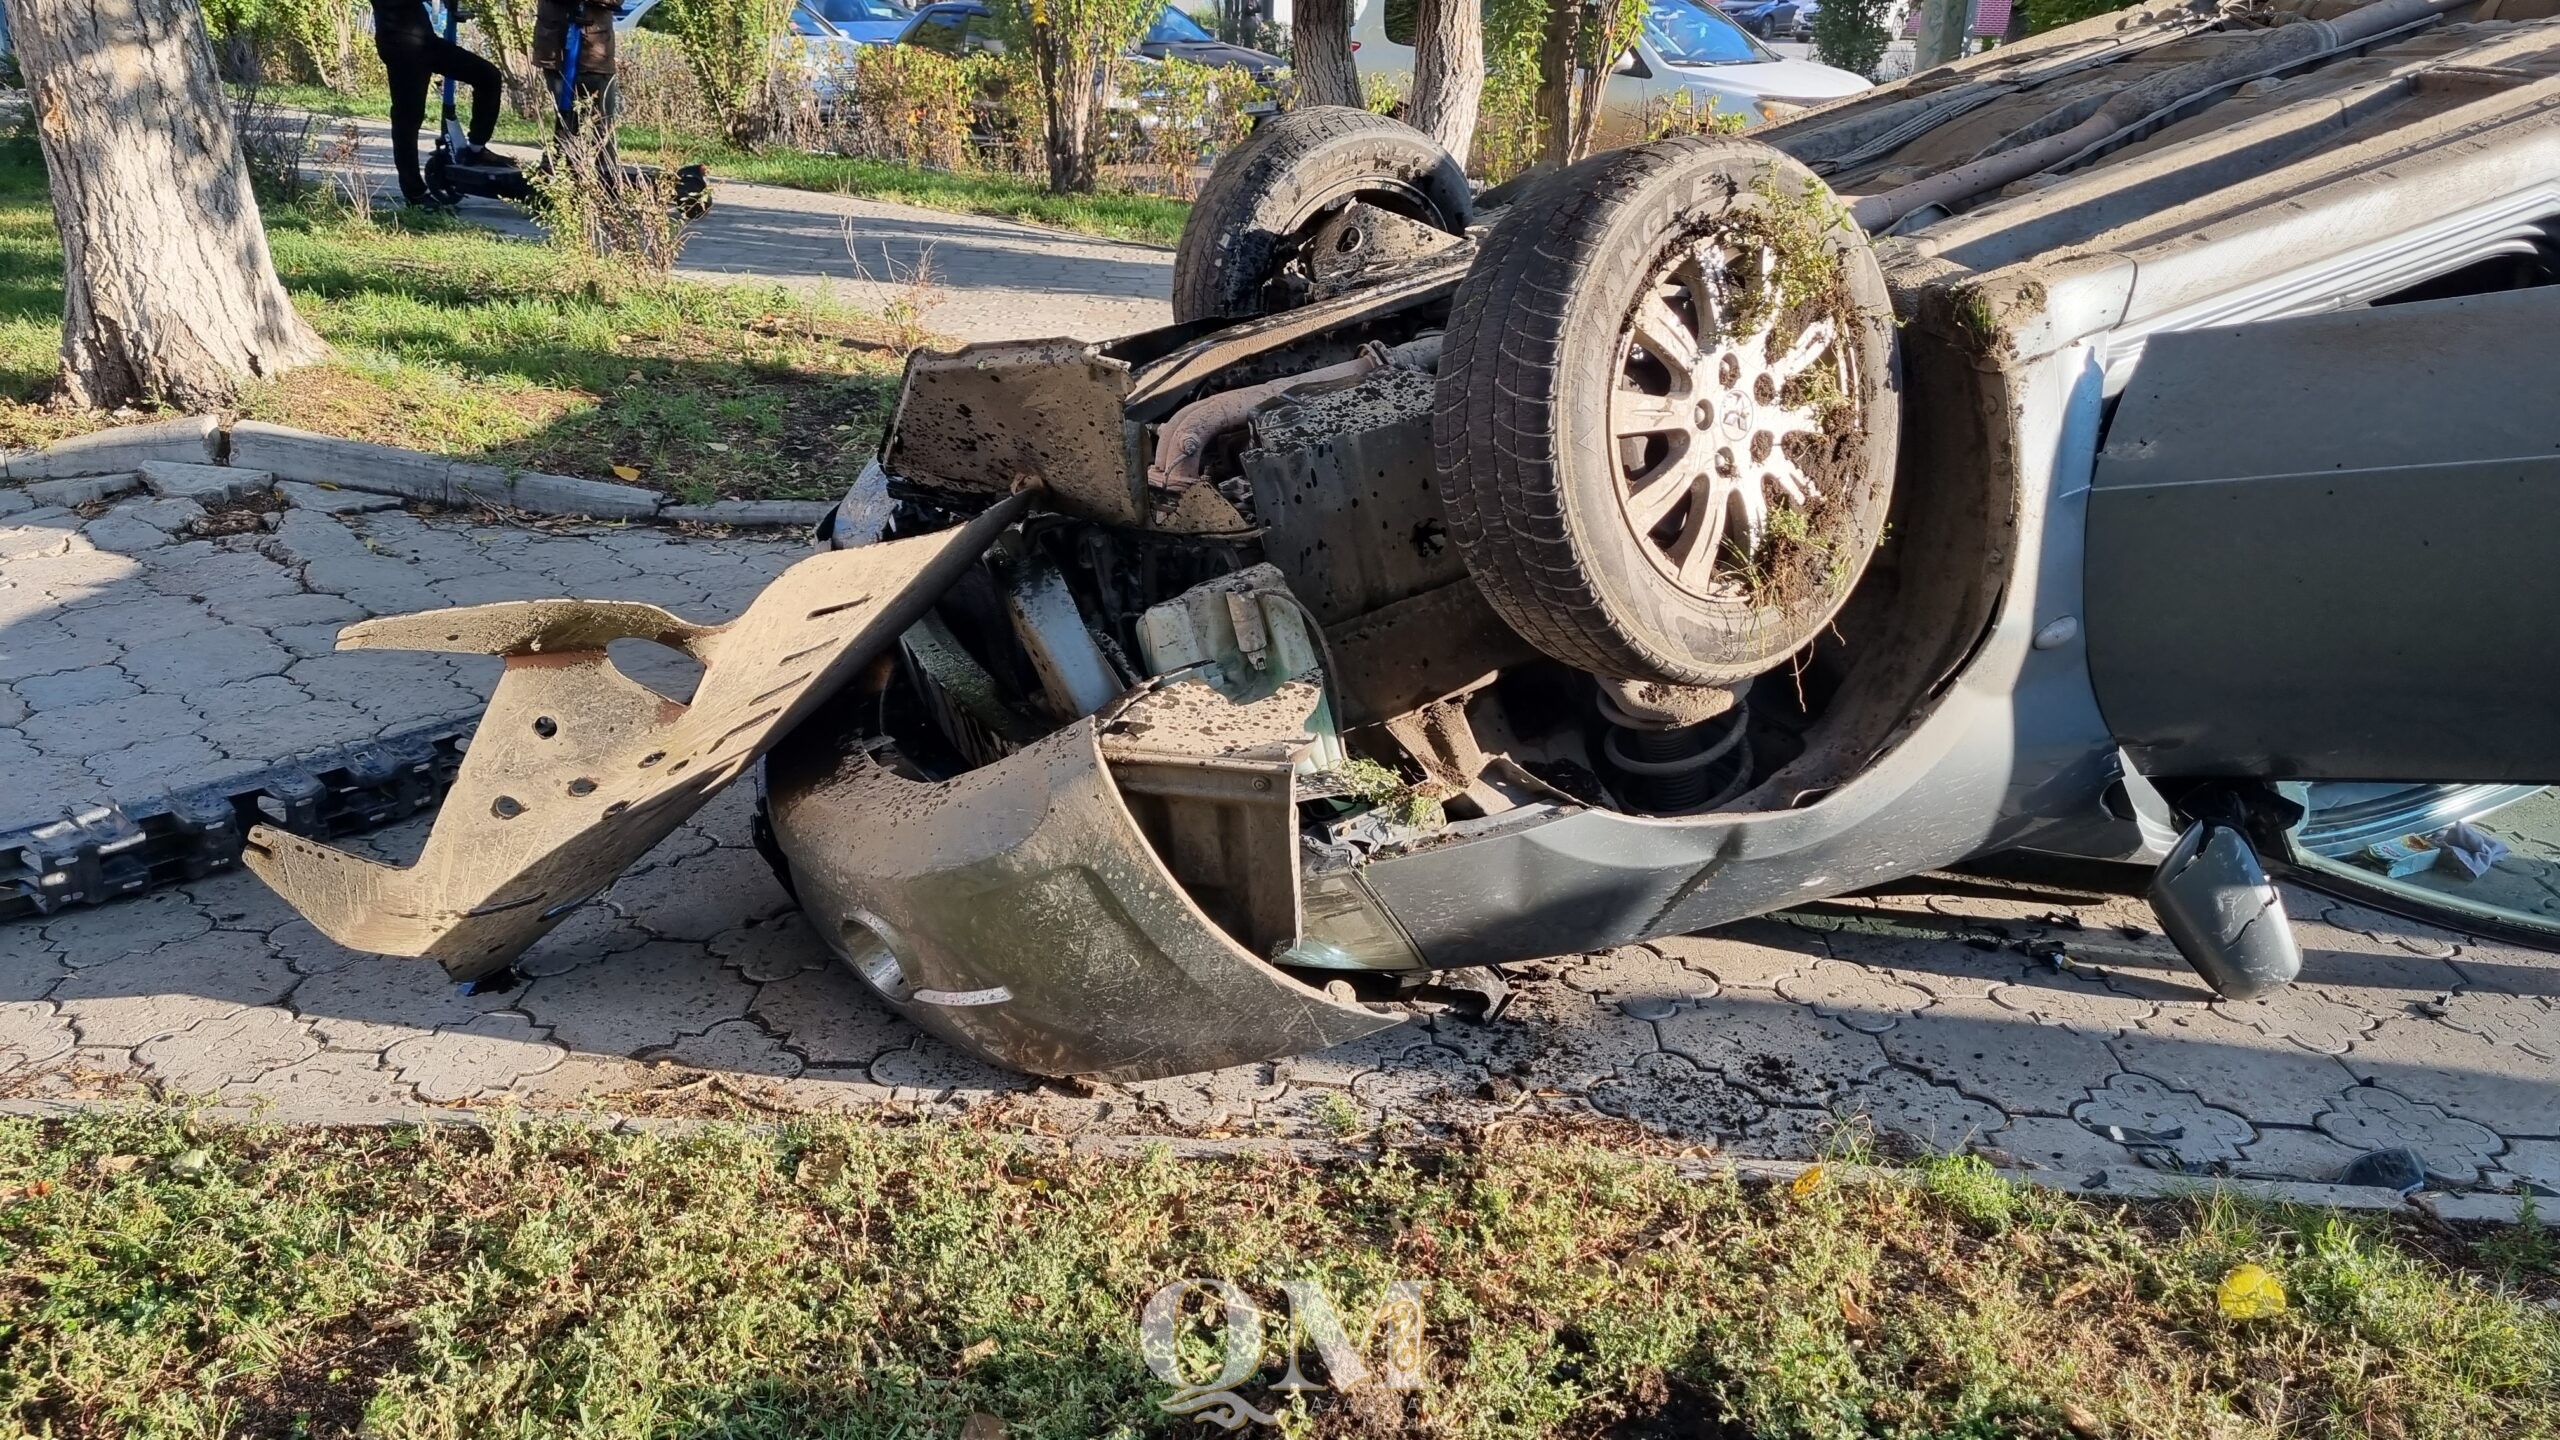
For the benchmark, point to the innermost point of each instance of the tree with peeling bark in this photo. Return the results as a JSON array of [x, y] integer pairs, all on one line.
[[1320, 53], [1448, 73], [169, 294]]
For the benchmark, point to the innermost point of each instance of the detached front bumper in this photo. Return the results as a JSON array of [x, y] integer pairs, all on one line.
[[1018, 912]]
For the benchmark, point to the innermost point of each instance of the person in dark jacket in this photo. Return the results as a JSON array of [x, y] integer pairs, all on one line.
[[414, 54], [573, 50]]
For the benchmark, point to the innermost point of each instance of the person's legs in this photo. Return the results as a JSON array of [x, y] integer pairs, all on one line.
[[409, 74], [485, 84]]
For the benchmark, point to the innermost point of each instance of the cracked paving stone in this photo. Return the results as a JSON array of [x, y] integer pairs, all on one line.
[[2301, 1016], [2500, 1086], [646, 998], [271, 612], [2000, 1055], [1435, 1078], [12, 709], [1219, 1097], [76, 687], [736, 1047], [1908, 1114], [227, 1049], [80, 731], [774, 949], [1637, 973], [207, 567], [190, 664], [311, 953], [156, 767], [833, 1091], [2287, 1153], [331, 1087], [301, 729], [2370, 1117], [1782, 1052], [830, 1018], [1560, 1038], [485, 1058], [2534, 1160], [1858, 996], [2064, 1147], [719, 891], [930, 1070], [2376, 929], [592, 932], [1340, 1066], [1748, 955], [32, 648], [381, 1000], [1942, 969], [580, 1081], [2231, 1065], [32, 1034], [2073, 999], [141, 619], [28, 971], [1667, 1093], [2528, 1022], [2184, 1124], [97, 934], [127, 1001]]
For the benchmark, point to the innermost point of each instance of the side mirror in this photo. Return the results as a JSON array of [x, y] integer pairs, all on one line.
[[1627, 64], [2218, 907]]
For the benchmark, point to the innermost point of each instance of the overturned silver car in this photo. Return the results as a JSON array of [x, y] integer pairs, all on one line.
[[2090, 448]]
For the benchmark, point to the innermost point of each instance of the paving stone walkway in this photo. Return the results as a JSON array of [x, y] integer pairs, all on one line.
[[137, 659], [2054, 1034]]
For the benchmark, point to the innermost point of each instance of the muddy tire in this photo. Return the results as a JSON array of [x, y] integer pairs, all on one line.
[[1667, 412], [1270, 192]]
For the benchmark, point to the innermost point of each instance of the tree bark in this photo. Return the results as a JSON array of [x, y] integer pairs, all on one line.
[[169, 294], [1448, 73], [1556, 50], [1320, 51]]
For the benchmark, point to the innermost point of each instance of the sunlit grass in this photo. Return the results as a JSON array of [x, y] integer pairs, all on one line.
[[849, 1278]]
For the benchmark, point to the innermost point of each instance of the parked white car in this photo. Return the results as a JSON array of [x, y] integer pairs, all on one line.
[[1685, 46]]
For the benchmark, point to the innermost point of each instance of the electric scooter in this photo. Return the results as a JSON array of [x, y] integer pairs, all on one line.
[[450, 176]]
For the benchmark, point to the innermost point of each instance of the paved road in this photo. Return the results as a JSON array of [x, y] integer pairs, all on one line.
[[988, 279], [1928, 1019]]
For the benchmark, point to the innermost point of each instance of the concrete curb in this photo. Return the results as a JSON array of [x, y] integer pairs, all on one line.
[[2112, 1184], [198, 457]]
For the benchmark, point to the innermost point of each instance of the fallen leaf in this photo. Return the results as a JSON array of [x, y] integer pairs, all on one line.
[[2250, 1292], [1858, 1316], [117, 1164], [820, 1166], [188, 1164], [982, 1350], [2071, 1292], [2082, 1423], [627, 472], [715, 445], [982, 1426], [1808, 1182]]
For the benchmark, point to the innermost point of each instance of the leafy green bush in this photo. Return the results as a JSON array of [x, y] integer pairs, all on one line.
[[729, 45], [312, 41], [1852, 34], [912, 104], [1076, 48], [1194, 112]]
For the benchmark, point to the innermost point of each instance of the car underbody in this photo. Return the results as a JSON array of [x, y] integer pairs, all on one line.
[[1159, 704]]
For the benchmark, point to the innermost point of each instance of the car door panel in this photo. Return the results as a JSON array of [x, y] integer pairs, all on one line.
[[2328, 547]]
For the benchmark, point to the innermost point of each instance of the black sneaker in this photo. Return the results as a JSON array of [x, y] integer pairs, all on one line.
[[482, 157]]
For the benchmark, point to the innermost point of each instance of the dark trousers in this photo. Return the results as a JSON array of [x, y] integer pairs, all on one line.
[[413, 63]]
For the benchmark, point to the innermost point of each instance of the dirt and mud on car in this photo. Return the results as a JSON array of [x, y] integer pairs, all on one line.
[[2079, 449]]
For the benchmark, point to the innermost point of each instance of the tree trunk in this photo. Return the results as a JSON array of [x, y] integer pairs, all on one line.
[[1611, 28], [169, 296], [1448, 73], [1320, 51], [1556, 47], [1067, 90]]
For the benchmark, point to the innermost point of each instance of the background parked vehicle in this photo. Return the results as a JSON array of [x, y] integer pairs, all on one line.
[[963, 27], [1774, 19], [825, 35], [1685, 46]]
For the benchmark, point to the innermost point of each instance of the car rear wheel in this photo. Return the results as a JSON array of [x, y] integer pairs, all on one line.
[[1240, 253], [1667, 412]]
